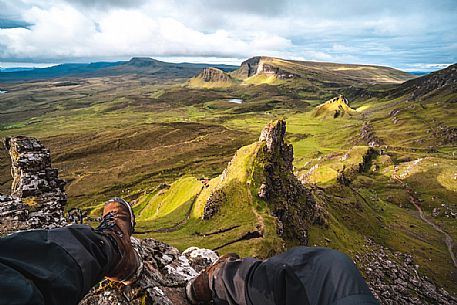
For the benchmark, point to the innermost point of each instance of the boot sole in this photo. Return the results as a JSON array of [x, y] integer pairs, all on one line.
[[189, 292]]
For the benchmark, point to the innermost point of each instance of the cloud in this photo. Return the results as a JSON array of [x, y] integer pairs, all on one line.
[[397, 33], [65, 32], [103, 4]]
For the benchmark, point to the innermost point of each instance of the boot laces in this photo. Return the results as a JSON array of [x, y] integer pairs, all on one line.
[[108, 223]]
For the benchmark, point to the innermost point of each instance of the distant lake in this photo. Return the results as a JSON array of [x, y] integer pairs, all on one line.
[[2, 91], [236, 100]]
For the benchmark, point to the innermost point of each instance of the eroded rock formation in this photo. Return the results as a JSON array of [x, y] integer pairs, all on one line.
[[337, 107], [261, 65], [368, 135], [37, 194], [213, 75], [289, 200]]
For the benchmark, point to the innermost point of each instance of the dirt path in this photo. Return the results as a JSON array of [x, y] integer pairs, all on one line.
[[414, 200], [447, 238]]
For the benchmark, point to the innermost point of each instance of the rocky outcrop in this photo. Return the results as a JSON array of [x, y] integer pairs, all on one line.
[[211, 78], [213, 75], [336, 107], [290, 201], [262, 65], [248, 67], [393, 278], [213, 204], [444, 134], [368, 135], [267, 166], [33, 176], [37, 197]]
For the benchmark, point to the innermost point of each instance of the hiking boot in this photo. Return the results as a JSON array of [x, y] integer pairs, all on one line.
[[198, 290], [118, 224]]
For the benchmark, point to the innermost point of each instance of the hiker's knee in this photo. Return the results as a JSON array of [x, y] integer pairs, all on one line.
[[333, 259]]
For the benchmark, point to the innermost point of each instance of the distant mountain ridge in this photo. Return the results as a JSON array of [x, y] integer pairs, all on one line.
[[136, 65], [258, 69]]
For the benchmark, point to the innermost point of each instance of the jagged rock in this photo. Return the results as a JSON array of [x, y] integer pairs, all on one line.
[[273, 134], [32, 173], [393, 278], [199, 258], [336, 107], [289, 200], [262, 65], [38, 196], [213, 75], [270, 168], [213, 204], [13, 214], [368, 135]]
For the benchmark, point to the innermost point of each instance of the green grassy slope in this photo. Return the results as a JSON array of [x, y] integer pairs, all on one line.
[[240, 211]]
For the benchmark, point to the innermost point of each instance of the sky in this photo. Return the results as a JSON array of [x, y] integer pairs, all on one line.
[[412, 35]]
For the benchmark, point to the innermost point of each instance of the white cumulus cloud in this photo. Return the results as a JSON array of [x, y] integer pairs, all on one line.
[[392, 32]]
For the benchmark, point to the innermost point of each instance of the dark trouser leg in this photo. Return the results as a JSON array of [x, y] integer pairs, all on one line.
[[308, 276], [52, 266]]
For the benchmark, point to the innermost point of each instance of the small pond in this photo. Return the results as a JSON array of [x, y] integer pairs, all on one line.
[[236, 100]]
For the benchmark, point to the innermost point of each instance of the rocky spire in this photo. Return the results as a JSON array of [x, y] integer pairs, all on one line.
[[33, 175], [289, 200], [37, 194]]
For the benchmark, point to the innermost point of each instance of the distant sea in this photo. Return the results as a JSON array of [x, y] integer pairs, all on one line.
[[19, 69], [419, 73]]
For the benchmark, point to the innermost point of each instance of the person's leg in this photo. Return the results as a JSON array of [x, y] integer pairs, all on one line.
[[306, 276], [314, 276], [59, 266], [52, 266]]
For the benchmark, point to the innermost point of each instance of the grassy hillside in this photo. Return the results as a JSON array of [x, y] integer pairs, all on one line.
[[176, 215]]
